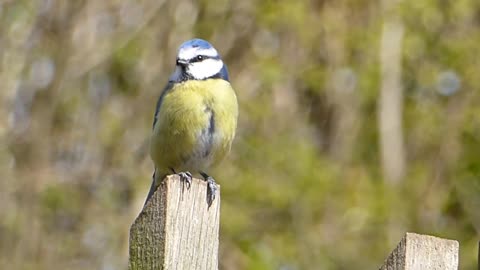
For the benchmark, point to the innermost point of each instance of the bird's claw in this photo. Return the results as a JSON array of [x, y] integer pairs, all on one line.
[[186, 178], [211, 188]]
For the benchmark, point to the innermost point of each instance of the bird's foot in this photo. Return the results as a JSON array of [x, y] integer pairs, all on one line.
[[186, 178], [211, 188]]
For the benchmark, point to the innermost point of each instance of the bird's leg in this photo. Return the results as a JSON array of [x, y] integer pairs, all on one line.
[[211, 188], [185, 177]]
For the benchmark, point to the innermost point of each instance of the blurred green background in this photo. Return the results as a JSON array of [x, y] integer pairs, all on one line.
[[359, 121]]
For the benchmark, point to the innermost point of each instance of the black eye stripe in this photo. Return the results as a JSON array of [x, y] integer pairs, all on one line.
[[200, 58]]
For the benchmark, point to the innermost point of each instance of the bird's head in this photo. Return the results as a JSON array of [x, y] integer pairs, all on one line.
[[198, 60]]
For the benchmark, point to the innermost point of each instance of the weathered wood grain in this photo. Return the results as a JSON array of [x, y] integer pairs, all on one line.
[[176, 229], [423, 252]]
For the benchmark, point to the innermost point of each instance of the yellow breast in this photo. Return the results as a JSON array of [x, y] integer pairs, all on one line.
[[195, 125]]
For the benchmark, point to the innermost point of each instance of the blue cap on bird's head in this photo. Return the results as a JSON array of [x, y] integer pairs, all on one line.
[[195, 47], [196, 43], [197, 59]]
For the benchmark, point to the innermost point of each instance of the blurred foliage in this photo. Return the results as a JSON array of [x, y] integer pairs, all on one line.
[[303, 186]]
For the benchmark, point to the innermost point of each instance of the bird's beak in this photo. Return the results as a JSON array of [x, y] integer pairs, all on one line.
[[182, 62]]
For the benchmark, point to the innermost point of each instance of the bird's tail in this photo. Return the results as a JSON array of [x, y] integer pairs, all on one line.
[[155, 184]]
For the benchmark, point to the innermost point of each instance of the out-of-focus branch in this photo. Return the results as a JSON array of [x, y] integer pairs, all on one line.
[[93, 42], [390, 103]]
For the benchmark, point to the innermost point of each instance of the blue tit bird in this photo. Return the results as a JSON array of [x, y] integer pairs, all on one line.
[[195, 117]]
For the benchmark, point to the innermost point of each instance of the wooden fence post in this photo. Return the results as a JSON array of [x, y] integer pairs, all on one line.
[[423, 252], [176, 229]]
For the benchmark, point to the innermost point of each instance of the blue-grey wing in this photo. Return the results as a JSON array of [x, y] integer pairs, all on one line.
[[224, 73], [159, 102]]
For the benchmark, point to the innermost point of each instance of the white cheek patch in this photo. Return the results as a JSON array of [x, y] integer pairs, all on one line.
[[204, 69], [191, 52]]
